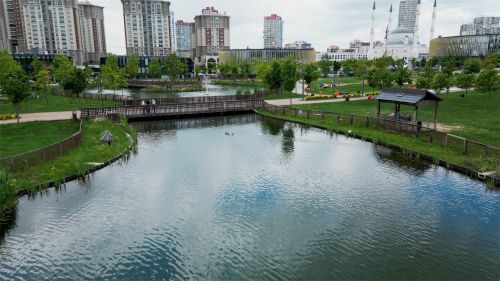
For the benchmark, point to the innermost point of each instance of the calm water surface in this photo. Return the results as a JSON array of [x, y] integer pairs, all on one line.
[[210, 90], [275, 201]]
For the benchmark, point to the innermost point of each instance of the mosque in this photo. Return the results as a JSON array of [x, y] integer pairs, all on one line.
[[402, 42]]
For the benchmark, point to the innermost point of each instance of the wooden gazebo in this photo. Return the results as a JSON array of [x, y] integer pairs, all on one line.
[[410, 97]]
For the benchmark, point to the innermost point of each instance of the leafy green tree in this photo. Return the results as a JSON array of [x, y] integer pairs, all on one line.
[[262, 69], [464, 80], [380, 77], [274, 78], [288, 74], [224, 69], [488, 80], [440, 81], [197, 69], [492, 61], [37, 65], [61, 66], [311, 72], [211, 67], [76, 82], [154, 68], [402, 74], [132, 67], [16, 86], [325, 65], [245, 69], [172, 67], [336, 66], [7, 64], [348, 66], [42, 82], [472, 66], [424, 82]]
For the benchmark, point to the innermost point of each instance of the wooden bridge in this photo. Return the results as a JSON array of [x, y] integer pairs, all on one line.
[[214, 106]]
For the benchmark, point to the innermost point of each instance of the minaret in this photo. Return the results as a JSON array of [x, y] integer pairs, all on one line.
[[433, 26], [389, 26], [372, 38]]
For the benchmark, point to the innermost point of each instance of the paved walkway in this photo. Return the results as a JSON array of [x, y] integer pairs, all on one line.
[[46, 116], [299, 101]]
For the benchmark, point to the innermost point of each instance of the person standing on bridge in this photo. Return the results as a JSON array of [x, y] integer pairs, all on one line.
[[153, 104]]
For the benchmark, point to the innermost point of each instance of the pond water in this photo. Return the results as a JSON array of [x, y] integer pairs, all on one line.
[[245, 198], [210, 90]]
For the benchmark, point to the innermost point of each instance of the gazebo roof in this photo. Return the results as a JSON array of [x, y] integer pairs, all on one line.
[[407, 96]]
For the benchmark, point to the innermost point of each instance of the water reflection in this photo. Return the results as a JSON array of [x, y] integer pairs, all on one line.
[[399, 160], [272, 201]]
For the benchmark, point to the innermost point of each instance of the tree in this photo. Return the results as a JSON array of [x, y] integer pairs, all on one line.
[[262, 69], [154, 68], [440, 81], [380, 77], [325, 65], [132, 67], [61, 66], [348, 66], [42, 82], [172, 67], [289, 74], [464, 80], [336, 66], [245, 69], [472, 66], [274, 78], [402, 75], [492, 61], [37, 65], [424, 82], [488, 80], [16, 87], [311, 72], [211, 67], [76, 82], [7, 64]]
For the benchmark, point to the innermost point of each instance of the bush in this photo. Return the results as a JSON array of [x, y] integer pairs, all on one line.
[[7, 116], [327, 97]]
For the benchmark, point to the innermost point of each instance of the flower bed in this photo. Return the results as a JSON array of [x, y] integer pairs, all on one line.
[[7, 116]]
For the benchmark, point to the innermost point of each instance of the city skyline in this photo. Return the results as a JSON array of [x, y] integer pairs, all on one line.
[[339, 29]]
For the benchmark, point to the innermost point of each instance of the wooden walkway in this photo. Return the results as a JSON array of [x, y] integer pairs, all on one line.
[[174, 110]]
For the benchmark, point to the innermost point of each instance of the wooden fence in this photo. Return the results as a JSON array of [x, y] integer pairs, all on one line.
[[32, 158], [443, 139]]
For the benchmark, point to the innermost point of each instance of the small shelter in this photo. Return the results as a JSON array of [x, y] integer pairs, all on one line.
[[410, 97], [106, 137]]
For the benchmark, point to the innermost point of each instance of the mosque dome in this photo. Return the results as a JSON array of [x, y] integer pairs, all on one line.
[[395, 41]]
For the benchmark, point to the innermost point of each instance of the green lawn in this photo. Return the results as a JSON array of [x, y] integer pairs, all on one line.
[[252, 84], [475, 117], [78, 160], [15, 139], [54, 103]]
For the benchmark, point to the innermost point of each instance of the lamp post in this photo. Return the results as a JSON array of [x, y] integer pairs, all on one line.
[[302, 76]]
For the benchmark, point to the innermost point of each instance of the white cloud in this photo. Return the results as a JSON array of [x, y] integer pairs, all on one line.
[[320, 22]]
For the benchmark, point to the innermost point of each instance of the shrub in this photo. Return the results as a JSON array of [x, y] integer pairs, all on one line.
[[7, 116], [7, 193]]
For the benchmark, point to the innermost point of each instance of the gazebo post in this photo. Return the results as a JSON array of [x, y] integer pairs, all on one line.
[[416, 113], [378, 111], [435, 115]]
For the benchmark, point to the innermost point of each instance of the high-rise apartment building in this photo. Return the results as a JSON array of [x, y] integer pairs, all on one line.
[[273, 32], [147, 27], [173, 33], [183, 38], [210, 34], [93, 36], [481, 26], [408, 14], [4, 38]]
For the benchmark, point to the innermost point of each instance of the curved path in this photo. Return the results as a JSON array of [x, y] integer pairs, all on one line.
[[43, 116]]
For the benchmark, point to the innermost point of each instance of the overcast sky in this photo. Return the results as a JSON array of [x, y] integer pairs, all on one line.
[[320, 22]]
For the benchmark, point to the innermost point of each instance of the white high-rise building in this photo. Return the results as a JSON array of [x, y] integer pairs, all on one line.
[[173, 33], [147, 27], [408, 14], [93, 36], [273, 32]]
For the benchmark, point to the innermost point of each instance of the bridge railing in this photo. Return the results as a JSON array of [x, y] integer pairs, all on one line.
[[172, 109], [202, 99]]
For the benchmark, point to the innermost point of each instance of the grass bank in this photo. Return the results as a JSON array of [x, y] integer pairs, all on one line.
[[77, 162], [405, 141], [25, 137], [54, 104], [474, 117], [252, 84]]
